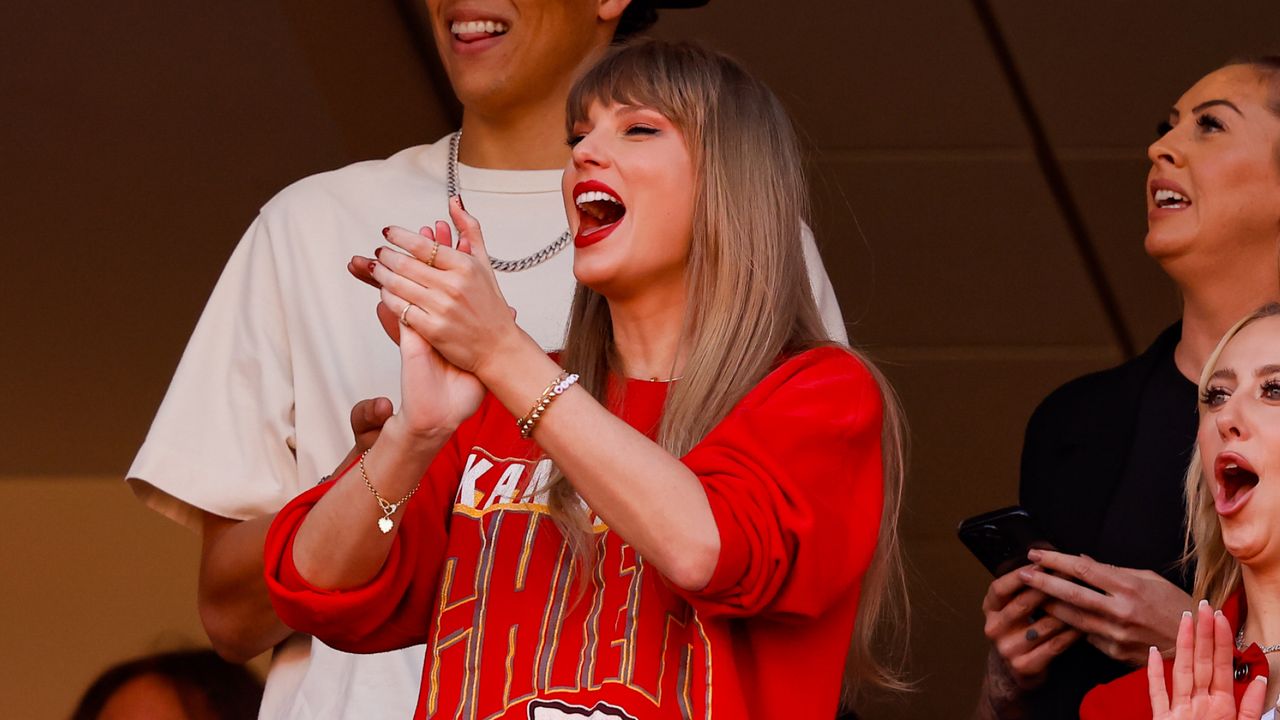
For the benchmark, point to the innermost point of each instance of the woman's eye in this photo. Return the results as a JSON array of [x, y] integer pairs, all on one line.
[[1214, 396], [1209, 123], [575, 139], [1271, 390], [642, 130]]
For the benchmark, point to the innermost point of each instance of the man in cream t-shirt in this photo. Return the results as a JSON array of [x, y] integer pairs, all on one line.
[[259, 407]]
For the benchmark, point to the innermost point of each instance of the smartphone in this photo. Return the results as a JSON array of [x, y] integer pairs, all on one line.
[[1001, 538]]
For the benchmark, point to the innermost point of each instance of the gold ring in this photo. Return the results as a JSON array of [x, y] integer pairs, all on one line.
[[435, 248], [404, 315]]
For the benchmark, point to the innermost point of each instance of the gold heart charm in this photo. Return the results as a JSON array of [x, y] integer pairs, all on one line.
[[384, 524]]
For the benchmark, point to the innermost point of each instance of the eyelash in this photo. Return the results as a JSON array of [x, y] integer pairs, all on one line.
[[633, 130], [1212, 394], [1207, 123], [1270, 390]]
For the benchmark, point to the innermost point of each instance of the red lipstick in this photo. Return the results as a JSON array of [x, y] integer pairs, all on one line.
[[600, 212]]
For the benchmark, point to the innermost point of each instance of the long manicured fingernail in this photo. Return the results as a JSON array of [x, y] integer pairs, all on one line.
[[1186, 614], [377, 252], [1034, 555], [386, 232], [1203, 604]]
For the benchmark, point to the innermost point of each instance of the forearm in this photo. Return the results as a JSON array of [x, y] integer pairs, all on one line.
[[340, 544], [232, 597], [1001, 698], [641, 491]]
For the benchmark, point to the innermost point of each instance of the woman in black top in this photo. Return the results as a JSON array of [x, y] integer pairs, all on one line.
[[1105, 454]]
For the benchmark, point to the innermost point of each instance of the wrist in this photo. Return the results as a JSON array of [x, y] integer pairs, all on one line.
[[1002, 691], [398, 433], [512, 348]]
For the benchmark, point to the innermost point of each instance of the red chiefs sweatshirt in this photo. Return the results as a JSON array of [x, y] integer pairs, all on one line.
[[481, 575]]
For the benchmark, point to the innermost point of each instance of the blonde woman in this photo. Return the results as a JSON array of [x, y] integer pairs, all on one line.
[[691, 509], [1233, 500]]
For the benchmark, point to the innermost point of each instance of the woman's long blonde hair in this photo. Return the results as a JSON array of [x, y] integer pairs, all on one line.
[[1217, 571], [749, 299]]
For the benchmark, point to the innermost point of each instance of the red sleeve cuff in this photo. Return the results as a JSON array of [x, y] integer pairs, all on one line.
[[368, 618]]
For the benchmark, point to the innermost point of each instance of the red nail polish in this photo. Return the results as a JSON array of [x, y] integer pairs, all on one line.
[[376, 252], [372, 265], [460, 205], [386, 232]]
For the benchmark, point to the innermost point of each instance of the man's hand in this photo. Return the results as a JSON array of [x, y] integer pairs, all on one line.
[[367, 419], [1130, 610], [1024, 643]]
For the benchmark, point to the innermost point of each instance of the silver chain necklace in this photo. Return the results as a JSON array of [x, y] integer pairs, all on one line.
[[523, 263], [1266, 649]]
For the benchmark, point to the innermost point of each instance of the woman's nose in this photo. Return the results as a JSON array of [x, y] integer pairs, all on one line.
[[588, 152], [1231, 425], [1165, 151]]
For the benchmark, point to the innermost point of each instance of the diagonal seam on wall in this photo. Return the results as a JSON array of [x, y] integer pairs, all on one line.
[[1051, 169]]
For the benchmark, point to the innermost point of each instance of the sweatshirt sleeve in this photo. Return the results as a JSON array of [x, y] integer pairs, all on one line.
[[392, 610], [1125, 697], [794, 479]]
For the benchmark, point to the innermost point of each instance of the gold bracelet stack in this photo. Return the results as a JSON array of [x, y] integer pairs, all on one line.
[[554, 390], [385, 523]]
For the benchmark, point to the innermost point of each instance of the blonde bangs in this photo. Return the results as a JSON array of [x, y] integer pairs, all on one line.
[[640, 76]]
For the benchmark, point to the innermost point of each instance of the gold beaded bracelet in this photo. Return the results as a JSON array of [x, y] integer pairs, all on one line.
[[385, 523], [554, 390]]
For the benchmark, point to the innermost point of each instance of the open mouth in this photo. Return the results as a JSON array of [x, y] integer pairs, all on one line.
[[1236, 479], [469, 31], [599, 211], [1171, 199], [1166, 196]]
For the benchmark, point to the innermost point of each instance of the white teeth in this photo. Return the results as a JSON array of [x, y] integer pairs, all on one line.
[[594, 196], [478, 26], [1169, 196]]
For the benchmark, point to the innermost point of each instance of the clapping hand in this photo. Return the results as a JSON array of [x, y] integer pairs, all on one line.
[[436, 394], [1202, 674]]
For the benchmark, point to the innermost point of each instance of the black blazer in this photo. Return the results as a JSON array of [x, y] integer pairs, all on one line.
[[1077, 446]]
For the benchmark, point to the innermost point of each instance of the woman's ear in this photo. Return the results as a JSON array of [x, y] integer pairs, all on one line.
[[611, 10]]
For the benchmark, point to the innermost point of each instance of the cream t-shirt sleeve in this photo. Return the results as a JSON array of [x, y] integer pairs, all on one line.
[[823, 293], [223, 438]]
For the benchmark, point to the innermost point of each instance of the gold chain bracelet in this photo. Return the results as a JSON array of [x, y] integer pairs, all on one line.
[[385, 523], [554, 390]]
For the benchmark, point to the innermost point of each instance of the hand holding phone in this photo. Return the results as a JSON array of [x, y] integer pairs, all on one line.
[[1001, 539]]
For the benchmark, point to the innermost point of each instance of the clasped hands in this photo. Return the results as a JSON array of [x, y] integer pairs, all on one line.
[[448, 317], [1120, 611]]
